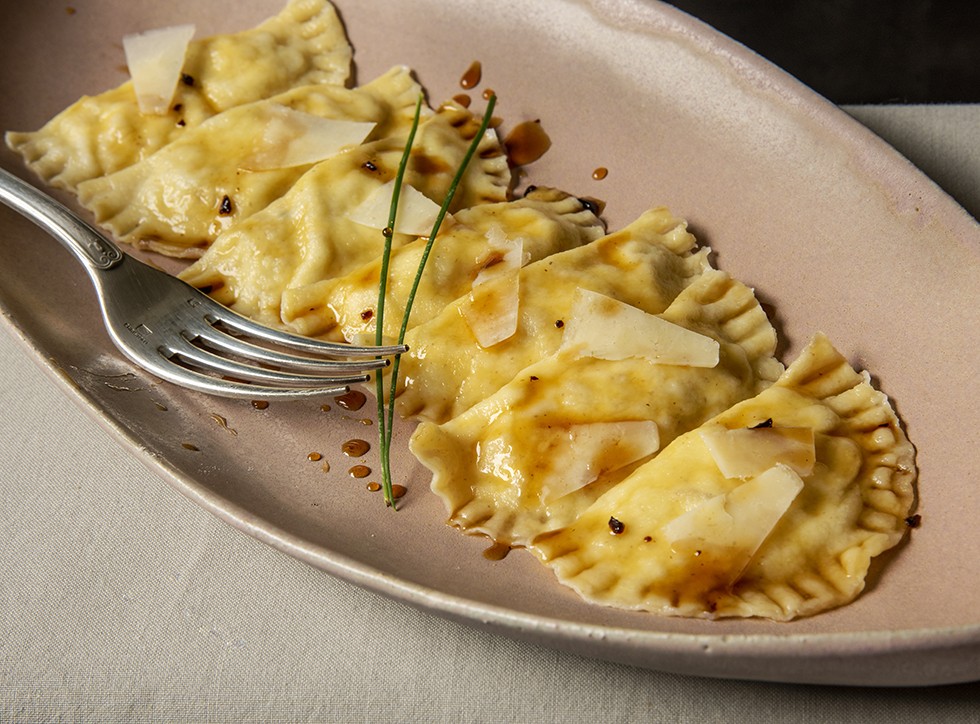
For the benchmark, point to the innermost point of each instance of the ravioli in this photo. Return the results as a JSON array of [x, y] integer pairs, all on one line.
[[178, 200], [610, 402], [646, 264], [501, 466], [305, 237], [850, 508], [546, 221], [97, 135]]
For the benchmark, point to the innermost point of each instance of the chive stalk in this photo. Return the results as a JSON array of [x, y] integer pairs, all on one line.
[[389, 233], [386, 422]]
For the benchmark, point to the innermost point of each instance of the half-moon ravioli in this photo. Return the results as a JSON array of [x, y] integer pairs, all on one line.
[[305, 236], [305, 43], [177, 200], [544, 221], [677, 536], [536, 453], [645, 264]]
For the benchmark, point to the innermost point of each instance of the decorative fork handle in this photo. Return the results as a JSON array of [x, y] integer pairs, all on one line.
[[84, 242]]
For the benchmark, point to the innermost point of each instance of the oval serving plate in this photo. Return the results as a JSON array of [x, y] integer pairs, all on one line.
[[833, 228]]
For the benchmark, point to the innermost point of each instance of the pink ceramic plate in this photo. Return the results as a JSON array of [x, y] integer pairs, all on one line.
[[834, 229]]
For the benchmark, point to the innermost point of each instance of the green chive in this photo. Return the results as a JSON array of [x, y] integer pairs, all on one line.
[[386, 423], [389, 233]]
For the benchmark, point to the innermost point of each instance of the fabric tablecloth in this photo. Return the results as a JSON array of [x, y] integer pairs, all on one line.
[[123, 601]]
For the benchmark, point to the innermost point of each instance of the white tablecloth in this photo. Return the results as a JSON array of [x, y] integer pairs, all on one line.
[[121, 600]]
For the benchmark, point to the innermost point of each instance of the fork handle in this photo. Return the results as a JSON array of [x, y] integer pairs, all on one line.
[[83, 241]]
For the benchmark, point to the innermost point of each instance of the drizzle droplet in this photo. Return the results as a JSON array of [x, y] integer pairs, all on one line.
[[496, 551], [355, 448], [353, 400], [471, 78], [526, 143]]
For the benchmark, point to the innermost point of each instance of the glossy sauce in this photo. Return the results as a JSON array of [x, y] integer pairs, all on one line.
[[600, 173], [355, 448], [223, 422], [496, 551], [526, 143], [471, 78], [353, 400], [359, 471]]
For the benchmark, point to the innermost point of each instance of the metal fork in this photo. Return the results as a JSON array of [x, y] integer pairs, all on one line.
[[181, 335]]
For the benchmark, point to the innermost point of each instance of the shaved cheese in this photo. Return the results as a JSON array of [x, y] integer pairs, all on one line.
[[744, 452], [602, 327], [491, 310], [155, 59], [293, 138], [416, 212], [590, 450], [737, 522]]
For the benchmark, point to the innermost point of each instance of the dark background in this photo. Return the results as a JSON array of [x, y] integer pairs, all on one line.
[[875, 51]]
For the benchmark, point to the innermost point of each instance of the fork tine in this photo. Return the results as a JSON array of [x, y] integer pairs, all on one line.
[[235, 321], [192, 354], [226, 343], [191, 379]]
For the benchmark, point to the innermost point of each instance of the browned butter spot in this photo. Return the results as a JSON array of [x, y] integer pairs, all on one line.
[[471, 78], [526, 143], [355, 448], [353, 400]]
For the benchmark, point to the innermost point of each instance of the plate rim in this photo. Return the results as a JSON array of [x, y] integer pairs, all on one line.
[[725, 648], [860, 140]]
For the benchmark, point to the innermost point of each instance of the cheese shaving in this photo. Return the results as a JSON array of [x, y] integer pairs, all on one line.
[[155, 59]]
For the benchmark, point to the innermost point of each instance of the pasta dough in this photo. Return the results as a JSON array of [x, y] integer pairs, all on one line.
[[493, 465], [97, 135], [610, 402], [647, 264], [305, 237], [852, 507], [177, 200], [547, 220]]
